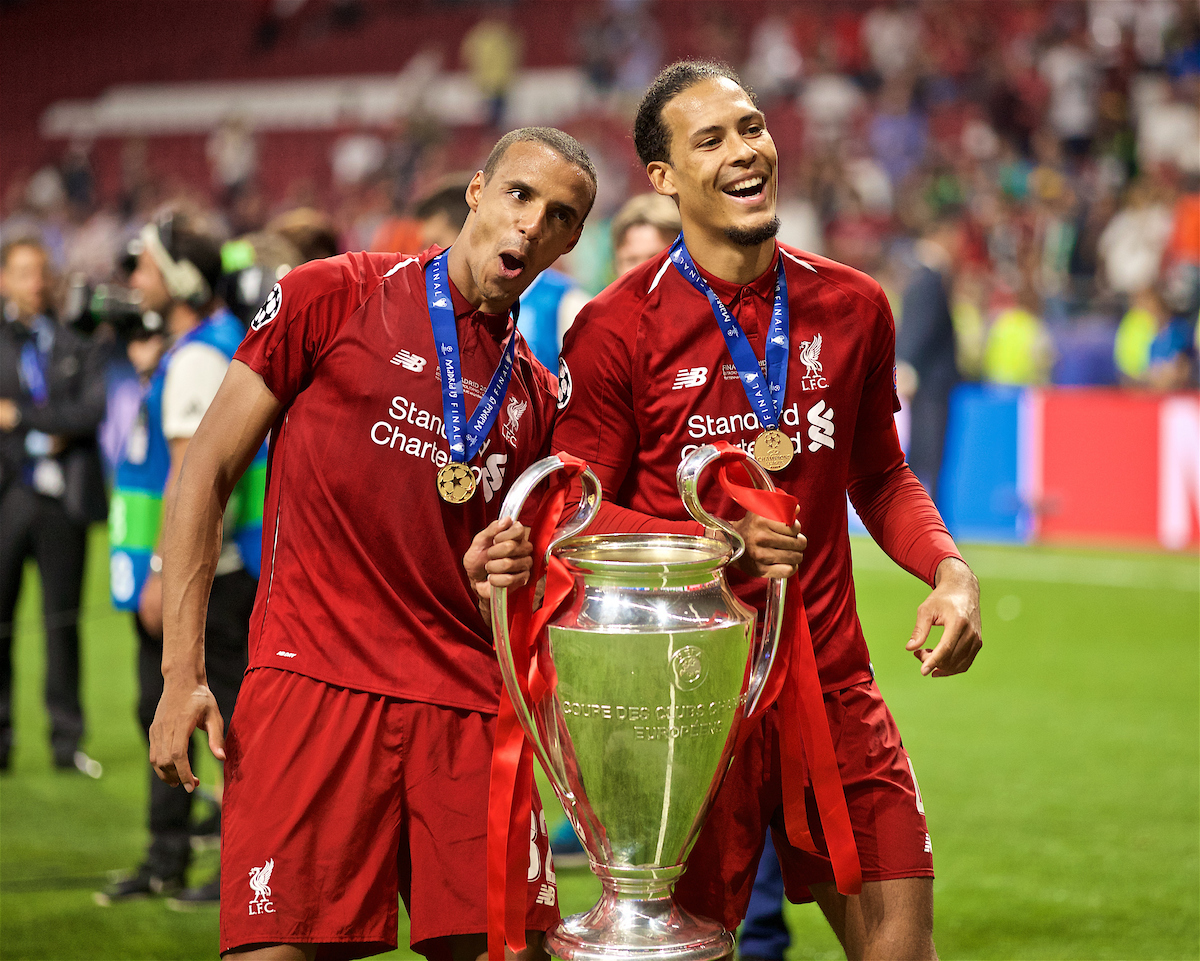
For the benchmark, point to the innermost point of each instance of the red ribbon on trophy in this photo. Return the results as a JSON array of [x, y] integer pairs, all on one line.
[[796, 685], [510, 800]]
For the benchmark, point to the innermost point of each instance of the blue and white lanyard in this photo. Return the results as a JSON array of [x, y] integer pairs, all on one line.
[[445, 335], [34, 354], [765, 394]]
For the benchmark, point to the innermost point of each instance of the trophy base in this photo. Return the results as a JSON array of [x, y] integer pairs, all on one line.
[[638, 929]]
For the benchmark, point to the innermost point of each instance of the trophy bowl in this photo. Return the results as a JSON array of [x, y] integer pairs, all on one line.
[[655, 663]]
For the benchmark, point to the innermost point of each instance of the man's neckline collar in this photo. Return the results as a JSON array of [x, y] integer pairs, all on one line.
[[763, 285]]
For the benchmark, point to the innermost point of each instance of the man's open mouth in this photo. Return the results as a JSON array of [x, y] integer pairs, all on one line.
[[749, 188], [511, 265]]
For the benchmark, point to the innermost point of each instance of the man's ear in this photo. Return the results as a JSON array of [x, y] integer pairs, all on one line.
[[474, 189], [662, 177]]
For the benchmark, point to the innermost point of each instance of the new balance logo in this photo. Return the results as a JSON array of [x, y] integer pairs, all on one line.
[[690, 377], [928, 845], [547, 895], [409, 361], [820, 434], [285, 653]]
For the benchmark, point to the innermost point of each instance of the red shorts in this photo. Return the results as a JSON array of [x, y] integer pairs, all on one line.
[[337, 800], [885, 805]]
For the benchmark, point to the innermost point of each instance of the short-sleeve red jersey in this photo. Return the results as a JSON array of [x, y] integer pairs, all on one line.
[[646, 378], [362, 581]]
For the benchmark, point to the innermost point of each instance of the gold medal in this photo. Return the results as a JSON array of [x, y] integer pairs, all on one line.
[[773, 449], [455, 483]]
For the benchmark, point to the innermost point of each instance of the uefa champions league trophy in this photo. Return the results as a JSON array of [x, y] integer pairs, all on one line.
[[656, 663]]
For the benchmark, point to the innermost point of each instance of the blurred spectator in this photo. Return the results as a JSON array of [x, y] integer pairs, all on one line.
[[1168, 129], [178, 275], [891, 34], [1172, 353], [1137, 331], [442, 213], [898, 133], [52, 397], [1131, 246], [492, 52], [645, 224], [548, 308], [251, 266], [1070, 70], [1019, 350], [829, 102], [926, 353], [773, 68], [232, 156], [309, 230]]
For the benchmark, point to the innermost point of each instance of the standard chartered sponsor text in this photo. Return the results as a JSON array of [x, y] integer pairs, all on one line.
[[403, 431], [705, 428]]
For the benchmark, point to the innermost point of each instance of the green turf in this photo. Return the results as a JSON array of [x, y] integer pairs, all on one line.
[[1059, 776]]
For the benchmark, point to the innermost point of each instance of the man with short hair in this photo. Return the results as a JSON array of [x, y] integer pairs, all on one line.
[[443, 211], [52, 399], [645, 225], [731, 336], [402, 404], [177, 274]]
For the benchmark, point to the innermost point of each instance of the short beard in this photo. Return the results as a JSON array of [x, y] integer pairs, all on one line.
[[753, 236]]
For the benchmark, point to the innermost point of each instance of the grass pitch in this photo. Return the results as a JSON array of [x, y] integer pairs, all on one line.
[[1060, 776]]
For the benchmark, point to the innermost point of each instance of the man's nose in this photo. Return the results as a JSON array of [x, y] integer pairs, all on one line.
[[533, 222], [744, 151]]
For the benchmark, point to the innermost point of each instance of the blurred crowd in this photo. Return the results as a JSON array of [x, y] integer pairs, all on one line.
[[1062, 138]]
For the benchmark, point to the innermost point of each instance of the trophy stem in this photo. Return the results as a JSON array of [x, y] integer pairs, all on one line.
[[638, 920]]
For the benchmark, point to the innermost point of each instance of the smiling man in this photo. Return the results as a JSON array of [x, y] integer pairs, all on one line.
[[401, 404], [731, 336]]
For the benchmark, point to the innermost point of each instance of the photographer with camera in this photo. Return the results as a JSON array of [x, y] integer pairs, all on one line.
[[178, 274], [52, 399]]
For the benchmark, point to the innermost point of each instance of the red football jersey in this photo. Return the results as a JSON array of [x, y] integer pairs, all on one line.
[[362, 581], [646, 378]]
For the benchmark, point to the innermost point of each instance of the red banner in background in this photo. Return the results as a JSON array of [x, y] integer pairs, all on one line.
[[1118, 468]]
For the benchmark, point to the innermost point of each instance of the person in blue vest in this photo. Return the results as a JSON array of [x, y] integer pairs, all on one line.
[[178, 270], [548, 307]]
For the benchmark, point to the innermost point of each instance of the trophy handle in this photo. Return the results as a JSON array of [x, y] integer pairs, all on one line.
[[589, 503], [764, 649]]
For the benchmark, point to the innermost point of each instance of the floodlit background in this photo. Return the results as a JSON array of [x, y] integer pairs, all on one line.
[[1060, 775]]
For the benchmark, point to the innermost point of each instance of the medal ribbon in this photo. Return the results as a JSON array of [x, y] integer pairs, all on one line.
[[445, 335], [510, 801], [796, 685], [765, 397]]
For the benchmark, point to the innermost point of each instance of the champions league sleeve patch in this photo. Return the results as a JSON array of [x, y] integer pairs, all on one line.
[[267, 312], [564, 384]]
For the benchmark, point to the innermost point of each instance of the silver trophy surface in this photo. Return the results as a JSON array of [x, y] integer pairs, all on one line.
[[656, 663]]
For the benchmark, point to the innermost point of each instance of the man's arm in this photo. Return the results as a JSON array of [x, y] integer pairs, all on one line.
[[224, 445], [903, 520]]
